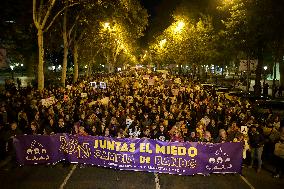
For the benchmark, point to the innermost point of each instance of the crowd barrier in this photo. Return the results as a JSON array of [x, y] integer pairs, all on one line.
[[186, 158]]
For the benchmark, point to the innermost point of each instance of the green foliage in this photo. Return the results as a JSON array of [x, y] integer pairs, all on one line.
[[113, 30], [193, 43]]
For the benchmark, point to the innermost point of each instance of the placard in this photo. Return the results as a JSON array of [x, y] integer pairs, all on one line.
[[102, 85], [244, 130], [93, 84]]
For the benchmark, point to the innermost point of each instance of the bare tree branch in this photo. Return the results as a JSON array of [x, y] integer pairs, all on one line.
[[34, 14], [58, 13], [47, 13], [71, 29]]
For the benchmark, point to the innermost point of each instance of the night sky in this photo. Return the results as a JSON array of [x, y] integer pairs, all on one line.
[[160, 15]]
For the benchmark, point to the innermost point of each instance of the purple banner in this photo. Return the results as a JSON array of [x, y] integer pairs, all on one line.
[[187, 158]]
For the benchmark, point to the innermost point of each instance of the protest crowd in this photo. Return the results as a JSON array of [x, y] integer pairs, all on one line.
[[139, 104]]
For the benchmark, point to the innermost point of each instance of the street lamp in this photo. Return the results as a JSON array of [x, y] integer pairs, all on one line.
[[22, 65], [12, 68], [265, 68]]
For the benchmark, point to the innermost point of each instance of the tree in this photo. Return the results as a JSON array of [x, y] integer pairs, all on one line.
[[185, 42], [16, 37], [43, 19], [245, 29], [115, 30]]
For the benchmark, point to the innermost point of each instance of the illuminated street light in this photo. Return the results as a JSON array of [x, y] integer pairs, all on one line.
[[179, 27], [12, 67], [163, 42], [22, 70], [265, 68]]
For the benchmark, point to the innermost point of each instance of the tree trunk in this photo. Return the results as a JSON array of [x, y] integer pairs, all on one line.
[[76, 66], [258, 74], [281, 68], [40, 73], [274, 78], [109, 66], [65, 43]]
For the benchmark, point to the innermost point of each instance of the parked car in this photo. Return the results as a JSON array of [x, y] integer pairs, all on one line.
[[247, 96], [263, 107]]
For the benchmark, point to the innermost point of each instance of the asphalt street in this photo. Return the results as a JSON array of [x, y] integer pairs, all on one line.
[[92, 177]]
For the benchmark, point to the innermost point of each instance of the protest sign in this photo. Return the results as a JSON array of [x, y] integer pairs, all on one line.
[[93, 84], [128, 122], [244, 130], [102, 85], [130, 154]]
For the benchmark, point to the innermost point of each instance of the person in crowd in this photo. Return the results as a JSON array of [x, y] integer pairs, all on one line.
[[146, 133], [192, 137], [233, 131], [9, 136], [106, 132], [240, 137], [279, 154], [161, 134], [60, 127], [222, 136], [256, 141], [191, 114], [176, 136], [82, 132], [207, 137], [32, 129], [213, 128]]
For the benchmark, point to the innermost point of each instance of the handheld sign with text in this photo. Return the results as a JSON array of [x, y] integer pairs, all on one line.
[[93, 84], [102, 85], [244, 130]]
